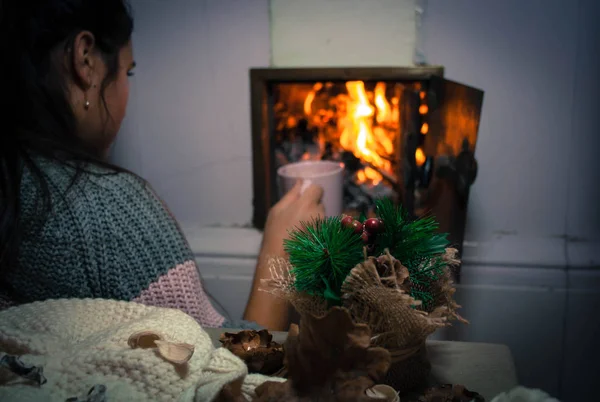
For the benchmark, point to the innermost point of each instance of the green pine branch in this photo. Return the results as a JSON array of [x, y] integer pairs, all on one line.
[[415, 243], [405, 238], [322, 253]]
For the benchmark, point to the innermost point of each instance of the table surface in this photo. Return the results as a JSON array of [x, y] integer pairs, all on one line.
[[482, 367]]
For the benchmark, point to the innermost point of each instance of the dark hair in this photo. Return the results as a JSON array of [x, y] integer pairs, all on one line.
[[37, 117]]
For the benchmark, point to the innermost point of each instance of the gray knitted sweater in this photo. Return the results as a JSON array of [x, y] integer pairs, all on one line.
[[109, 236]]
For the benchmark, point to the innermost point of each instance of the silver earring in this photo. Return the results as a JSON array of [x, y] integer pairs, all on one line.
[[86, 104]]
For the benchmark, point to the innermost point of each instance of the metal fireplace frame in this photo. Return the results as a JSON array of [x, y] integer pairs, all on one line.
[[449, 179], [261, 79]]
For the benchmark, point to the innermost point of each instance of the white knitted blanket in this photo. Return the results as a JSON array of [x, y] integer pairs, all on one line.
[[83, 343]]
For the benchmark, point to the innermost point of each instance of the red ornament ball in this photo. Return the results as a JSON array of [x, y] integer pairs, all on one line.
[[347, 221], [374, 225], [358, 227], [365, 237]]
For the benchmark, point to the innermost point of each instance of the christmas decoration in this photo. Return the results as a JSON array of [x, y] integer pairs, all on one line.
[[329, 359], [322, 254], [373, 225], [256, 349], [347, 221], [389, 272]]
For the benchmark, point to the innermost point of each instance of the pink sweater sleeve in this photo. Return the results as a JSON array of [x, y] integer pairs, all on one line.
[[180, 288]]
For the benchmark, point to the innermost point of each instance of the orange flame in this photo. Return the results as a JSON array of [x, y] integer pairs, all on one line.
[[383, 107], [359, 136], [311, 97], [367, 125], [420, 157]]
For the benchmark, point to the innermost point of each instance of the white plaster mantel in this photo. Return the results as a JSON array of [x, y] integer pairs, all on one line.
[[227, 242]]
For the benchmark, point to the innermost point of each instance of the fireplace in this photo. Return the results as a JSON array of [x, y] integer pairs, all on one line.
[[405, 133]]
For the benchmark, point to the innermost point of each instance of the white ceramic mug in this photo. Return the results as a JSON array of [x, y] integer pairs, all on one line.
[[328, 175]]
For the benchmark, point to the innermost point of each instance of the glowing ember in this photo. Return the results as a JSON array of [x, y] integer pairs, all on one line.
[[311, 97]]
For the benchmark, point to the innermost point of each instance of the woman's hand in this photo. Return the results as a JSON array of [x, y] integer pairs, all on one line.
[[295, 207]]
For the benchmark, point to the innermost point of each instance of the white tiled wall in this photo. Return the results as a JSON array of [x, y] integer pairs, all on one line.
[[326, 33]]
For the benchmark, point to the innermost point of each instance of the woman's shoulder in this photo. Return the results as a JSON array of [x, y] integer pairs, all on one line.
[[64, 176], [88, 185], [96, 192], [99, 204]]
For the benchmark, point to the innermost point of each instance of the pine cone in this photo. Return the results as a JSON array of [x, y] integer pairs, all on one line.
[[391, 271], [256, 349]]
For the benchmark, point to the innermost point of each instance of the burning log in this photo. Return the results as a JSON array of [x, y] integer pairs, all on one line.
[[389, 158]]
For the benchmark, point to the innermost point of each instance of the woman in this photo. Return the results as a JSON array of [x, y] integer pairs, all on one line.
[[72, 225]]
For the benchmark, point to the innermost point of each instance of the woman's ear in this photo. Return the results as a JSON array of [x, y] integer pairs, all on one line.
[[84, 59]]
